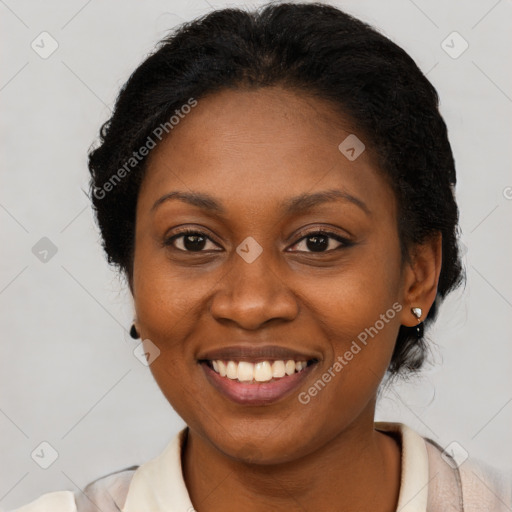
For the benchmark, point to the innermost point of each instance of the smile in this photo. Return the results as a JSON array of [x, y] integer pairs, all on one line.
[[257, 383], [261, 371]]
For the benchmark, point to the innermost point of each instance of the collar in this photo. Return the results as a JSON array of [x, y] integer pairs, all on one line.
[[414, 478], [158, 484]]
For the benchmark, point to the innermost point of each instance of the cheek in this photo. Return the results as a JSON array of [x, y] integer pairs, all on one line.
[[166, 297], [358, 312], [355, 297], [167, 305]]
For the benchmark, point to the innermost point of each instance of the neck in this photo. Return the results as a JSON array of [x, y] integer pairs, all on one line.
[[359, 469]]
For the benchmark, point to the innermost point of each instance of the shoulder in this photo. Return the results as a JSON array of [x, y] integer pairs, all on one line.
[[465, 483], [62, 501], [486, 487], [159, 478], [441, 479], [107, 494]]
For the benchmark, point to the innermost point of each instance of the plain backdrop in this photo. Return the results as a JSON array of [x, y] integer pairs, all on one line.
[[68, 374]]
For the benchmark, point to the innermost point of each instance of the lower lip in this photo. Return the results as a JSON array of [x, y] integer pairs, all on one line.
[[257, 393]]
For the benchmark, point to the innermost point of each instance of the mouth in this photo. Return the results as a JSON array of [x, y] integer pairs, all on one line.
[[256, 376], [254, 372]]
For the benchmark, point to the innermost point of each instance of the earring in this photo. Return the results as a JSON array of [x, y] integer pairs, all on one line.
[[133, 332], [417, 312]]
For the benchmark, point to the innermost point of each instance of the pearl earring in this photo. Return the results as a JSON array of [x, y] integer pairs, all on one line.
[[417, 312]]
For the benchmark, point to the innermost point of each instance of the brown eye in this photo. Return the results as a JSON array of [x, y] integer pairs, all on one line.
[[190, 241], [321, 241]]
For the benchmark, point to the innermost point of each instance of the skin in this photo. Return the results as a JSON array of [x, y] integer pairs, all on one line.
[[252, 150]]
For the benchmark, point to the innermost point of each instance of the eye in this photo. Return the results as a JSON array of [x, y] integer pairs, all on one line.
[[321, 241], [189, 240]]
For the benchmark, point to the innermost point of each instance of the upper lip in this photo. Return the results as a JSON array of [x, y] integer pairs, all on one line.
[[252, 353]]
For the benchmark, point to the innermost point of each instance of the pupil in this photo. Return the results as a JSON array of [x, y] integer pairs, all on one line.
[[194, 242], [316, 245]]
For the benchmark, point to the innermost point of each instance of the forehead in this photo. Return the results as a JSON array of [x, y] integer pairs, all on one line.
[[257, 146]]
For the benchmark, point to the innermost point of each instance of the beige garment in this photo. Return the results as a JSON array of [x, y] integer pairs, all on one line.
[[430, 482]]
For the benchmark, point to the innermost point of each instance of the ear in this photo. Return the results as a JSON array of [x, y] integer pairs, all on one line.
[[421, 277]]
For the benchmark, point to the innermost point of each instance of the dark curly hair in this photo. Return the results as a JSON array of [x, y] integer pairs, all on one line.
[[315, 49]]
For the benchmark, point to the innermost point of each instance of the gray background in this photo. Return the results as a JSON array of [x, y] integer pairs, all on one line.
[[68, 373]]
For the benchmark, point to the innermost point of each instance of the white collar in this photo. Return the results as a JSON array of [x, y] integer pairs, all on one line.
[[414, 478], [158, 484]]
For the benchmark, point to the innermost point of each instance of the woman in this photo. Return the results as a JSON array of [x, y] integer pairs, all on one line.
[[278, 189]]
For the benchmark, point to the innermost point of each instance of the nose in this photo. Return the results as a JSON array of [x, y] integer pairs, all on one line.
[[252, 294]]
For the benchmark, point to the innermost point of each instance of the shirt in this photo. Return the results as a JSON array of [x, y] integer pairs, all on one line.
[[432, 480]]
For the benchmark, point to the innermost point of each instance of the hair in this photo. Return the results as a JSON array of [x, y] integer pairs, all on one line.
[[315, 49]]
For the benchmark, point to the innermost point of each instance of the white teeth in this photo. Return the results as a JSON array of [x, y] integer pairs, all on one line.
[[232, 370], [289, 367], [245, 371], [278, 369], [262, 371]]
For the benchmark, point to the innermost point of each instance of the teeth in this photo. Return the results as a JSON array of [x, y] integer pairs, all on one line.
[[262, 371], [289, 367], [245, 371], [278, 369], [231, 370]]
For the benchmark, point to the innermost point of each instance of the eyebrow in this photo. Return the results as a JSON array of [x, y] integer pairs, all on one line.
[[293, 205]]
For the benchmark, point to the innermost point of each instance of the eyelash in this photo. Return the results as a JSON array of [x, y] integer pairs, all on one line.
[[188, 231]]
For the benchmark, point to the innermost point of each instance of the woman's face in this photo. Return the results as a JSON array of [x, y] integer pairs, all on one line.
[[257, 283]]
